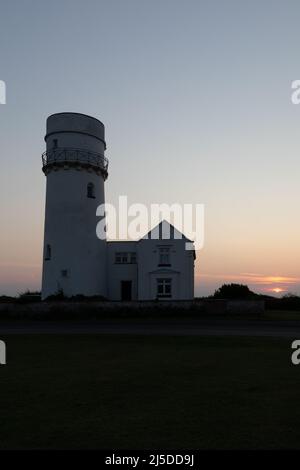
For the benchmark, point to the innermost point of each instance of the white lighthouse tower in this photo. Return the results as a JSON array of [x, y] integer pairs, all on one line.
[[75, 167]]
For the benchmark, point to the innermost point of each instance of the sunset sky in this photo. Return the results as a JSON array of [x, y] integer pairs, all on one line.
[[196, 100]]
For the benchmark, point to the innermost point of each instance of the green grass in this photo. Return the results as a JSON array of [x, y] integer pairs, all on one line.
[[288, 315], [90, 391]]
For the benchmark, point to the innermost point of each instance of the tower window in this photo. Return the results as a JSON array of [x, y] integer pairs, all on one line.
[[91, 190], [48, 253], [64, 273], [55, 143]]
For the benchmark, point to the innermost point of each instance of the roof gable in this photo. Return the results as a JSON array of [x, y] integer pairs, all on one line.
[[164, 231]]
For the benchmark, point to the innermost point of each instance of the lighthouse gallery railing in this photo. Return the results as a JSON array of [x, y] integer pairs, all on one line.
[[73, 155]]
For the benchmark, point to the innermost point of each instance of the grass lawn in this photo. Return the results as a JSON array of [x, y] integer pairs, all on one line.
[[281, 315], [93, 391]]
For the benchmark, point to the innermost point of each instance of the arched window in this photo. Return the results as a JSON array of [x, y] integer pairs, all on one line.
[[48, 252], [91, 190]]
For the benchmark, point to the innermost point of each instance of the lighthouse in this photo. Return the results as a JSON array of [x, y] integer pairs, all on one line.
[[74, 259]]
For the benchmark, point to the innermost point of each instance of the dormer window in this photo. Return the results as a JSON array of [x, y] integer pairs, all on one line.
[[91, 190], [164, 256]]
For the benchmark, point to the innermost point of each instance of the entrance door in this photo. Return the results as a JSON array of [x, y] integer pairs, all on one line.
[[126, 290]]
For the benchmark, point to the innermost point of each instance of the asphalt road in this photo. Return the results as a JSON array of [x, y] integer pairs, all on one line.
[[202, 327]]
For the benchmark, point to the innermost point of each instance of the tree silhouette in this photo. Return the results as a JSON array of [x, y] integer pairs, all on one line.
[[234, 291]]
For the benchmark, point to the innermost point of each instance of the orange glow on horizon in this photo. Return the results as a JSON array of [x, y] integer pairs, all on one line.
[[259, 283], [277, 290]]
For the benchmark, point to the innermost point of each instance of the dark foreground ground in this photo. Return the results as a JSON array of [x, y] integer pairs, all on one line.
[[283, 325], [138, 391]]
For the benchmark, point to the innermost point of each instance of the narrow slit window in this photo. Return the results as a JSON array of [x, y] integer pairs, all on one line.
[[48, 252], [91, 190]]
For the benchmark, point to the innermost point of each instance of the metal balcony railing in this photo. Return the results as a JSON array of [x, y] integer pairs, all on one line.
[[67, 155]]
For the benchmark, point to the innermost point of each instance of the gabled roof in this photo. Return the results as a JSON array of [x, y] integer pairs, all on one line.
[[165, 231], [162, 231]]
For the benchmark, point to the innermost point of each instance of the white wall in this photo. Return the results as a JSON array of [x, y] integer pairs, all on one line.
[[181, 270], [120, 272], [70, 216], [70, 229]]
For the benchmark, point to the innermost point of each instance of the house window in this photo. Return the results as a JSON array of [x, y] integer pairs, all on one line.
[[125, 257], [64, 273], [48, 253], [91, 190], [164, 288], [121, 258], [164, 256]]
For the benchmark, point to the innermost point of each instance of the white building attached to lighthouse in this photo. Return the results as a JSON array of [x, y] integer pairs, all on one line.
[[75, 260]]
